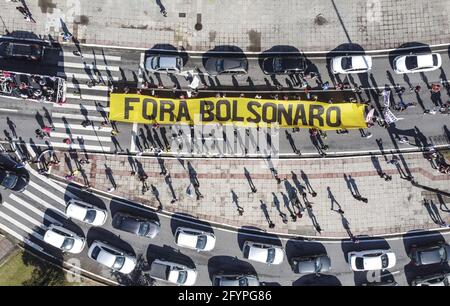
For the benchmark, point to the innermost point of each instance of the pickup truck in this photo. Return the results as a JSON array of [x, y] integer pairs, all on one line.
[[174, 273]]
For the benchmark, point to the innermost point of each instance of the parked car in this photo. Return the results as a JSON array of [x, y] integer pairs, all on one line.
[[386, 283], [417, 63], [64, 239], [351, 64], [194, 239], [85, 212], [21, 50], [371, 260], [440, 279], [226, 65], [235, 280], [429, 254], [311, 264], [265, 253], [174, 273], [136, 225], [13, 180], [284, 65], [112, 257], [164, 63]]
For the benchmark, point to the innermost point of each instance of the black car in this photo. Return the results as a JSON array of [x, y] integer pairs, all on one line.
[[386, 283], [284, 65], [440, 279], [21, 50], [429, 254], [13, 181], [136, 225]]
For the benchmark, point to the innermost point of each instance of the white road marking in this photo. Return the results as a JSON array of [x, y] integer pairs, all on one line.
[[24, 215], [33, 209], [84, 137], [133, 137], [47, 193], [20, 237], [83, 147], [87, 97], [82, 76], [30, 149], [80, 127], [92, 56], [77, 117], [40, 201], [50, 182], [9, 110], [21, 226], [86, 107], [84, 86], [88, 66]]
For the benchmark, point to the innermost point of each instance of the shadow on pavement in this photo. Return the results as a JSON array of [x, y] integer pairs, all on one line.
[[168, 253], [250, 233], [317, 280], [295, 248], [228, 265], [186, 220]]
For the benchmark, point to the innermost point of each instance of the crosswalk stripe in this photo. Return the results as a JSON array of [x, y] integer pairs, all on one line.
[[92, 56], [86, 107], [88, 66], [20, 225], [84, 86], [20, 237], [77, 117], [50, 182], [82, 76], [30, 150], [87, 97], [24, 215], [83, 147], [49, 194], [40, 201], [33, 209], [84, 137], [88, 128]]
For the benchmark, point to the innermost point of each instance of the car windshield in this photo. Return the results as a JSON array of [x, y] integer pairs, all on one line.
[[219, 65], [411, 62], [9, 181], [318, 265], [359, 263], [119, 262], [143, 229], [270, 255], [95, 252], [243, 281], [435, 60], [155, 62], [278, 64], [90, 216], [68, 243], [384, 261], [201, 242], [442, 253], [182, 275], [347, 63]]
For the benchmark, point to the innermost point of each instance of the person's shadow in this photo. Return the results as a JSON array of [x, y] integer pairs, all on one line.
[[333, 200], [109, 175], [162, 8], [249, 180]]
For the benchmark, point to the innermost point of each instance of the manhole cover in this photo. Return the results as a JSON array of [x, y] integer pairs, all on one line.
[[182, 15], [198, 26], [320, 20]]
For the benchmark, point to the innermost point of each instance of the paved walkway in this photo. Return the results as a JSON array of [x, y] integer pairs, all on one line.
[[393, 206], [6, 248], [248, 24]]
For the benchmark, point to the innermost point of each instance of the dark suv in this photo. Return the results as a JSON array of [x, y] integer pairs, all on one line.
[[136, 225], [22, 50], [284, 65], [429, 254]]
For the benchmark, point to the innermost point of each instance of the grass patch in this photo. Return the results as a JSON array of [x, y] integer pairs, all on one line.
[[24, 269]]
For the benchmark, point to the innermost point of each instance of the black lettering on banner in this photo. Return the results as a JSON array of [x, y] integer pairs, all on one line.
[[265, 112], [250, 107], [145, 114], [338, 121], [282, 113], [129, 107], [235, 111], [316, 115], [168, 107], [300, 115], [219, 110], [206, 110], [183, 111]]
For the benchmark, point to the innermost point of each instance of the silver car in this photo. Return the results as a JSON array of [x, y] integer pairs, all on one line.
[[311, 264], [226, 65], [235, 280], [164, 63]]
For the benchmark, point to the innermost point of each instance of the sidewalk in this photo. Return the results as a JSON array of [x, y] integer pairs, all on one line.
[[252, 26], [6, 247], [393, 206]]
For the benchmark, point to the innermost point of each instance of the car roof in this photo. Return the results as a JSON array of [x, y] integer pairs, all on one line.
[[106, 258], [54, 238], [257, 252], [431, 255], [76, 210], [372, 263], [129, 223], [166, 61], [233, 63], [187, 239]]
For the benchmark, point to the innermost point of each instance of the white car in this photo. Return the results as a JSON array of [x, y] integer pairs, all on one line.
[[173, 273], [351, 64], [85, 212], [112, 257], [194, 239], [265, 253], [63, 239], [371, 260], [417, 63]]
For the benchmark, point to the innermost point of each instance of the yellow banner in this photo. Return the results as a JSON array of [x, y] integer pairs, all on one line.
[[239, 111]]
